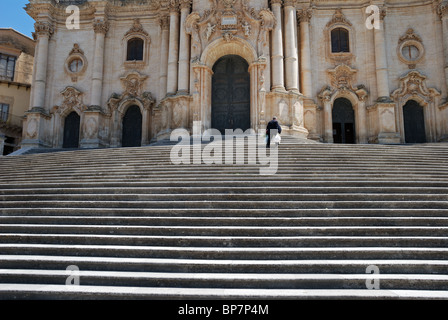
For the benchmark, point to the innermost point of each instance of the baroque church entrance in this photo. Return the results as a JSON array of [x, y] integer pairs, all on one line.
[[231, 94], [343, 121], [71, 131], [132, 127], [414, 122]]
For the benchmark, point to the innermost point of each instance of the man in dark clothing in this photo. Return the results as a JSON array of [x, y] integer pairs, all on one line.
[[272, 129]]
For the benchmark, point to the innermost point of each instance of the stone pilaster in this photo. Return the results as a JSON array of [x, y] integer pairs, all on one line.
[[2, 143], [382, 77], [277, 48], [291, 53], [304, 17], [173, 48], [442, 10], [184, 49], [164, 22], [44, 30], [100, 27]]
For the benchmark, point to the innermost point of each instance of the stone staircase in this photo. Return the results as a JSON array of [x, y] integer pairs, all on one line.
[[137, 226]]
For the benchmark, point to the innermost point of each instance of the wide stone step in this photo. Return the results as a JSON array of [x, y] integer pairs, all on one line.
[[125, 190], [226, 212], [227, 204], [225, 231], [227, 221], [230, 196], [223, 266], [223, 253], [226, 241], [231, 280], [56, 292]]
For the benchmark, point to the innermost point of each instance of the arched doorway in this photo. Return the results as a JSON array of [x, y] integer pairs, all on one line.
[[343, 121], [71, 131], [231, 94], [414, 122], [132, 127]]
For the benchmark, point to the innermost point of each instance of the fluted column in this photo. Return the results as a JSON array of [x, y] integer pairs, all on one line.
[[184, 52], [164, 46], [100, 27], [291, 54], [277, 48], [382, 78], [44, 30], [304, 17], [443, 13], [173, 48]]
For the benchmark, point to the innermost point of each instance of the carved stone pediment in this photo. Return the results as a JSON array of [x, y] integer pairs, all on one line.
[[136, 29], [133, 83], [414, 84], [72, 100], [342, 76], [338, 18], [229, 19]]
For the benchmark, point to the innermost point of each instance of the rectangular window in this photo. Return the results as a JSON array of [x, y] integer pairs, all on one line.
[[7, 67], [4, 110]]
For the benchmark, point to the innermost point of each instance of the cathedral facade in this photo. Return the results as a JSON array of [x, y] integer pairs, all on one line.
[[333, 71]]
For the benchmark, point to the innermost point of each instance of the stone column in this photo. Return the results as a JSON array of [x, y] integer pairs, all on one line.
[[325, 96], [184, 52], [173, 48], [164, 44], [382, 78], [100, 27], [443, 13], [362, 116], [291, 54], [277, 48], [44, 30], [304, 17]]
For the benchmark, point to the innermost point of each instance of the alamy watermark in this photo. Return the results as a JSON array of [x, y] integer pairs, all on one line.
[[218, 152]]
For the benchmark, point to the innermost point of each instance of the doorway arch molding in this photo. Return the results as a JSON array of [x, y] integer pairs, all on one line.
[[202, 72], [413, 87], [357, 97]]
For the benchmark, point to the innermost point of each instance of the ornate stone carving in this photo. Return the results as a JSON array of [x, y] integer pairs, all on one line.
[[31, 130], [276, 2], [185, 4], [342, 76], [192, 28], [304, 15], [101, 26], [338, 18], [76, 49], [442, 9], [414, 84], [289, 3], [133, 83], [72, 100], [209, 30], [164, 22], [90, 128], [137, 29], [43, 28], [246, 28], [410, 35], [174, 5]]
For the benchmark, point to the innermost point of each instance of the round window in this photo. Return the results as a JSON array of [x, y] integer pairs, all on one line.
[[410, 52], [76, 65]]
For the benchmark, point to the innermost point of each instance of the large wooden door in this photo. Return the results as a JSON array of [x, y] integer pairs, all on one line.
[[414, 122], [231, 94], [71, 131], [132, 127], [343, 121]]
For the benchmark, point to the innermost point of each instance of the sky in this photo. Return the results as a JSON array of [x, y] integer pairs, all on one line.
[[12, 15]]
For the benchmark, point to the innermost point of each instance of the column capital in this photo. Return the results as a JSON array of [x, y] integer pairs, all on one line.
[[304, 15], [185, 4], [174, 6], [442, 9], [383, 13], [44, 28], [101, 26], [289, 3], [164, 21], [279, 2]]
